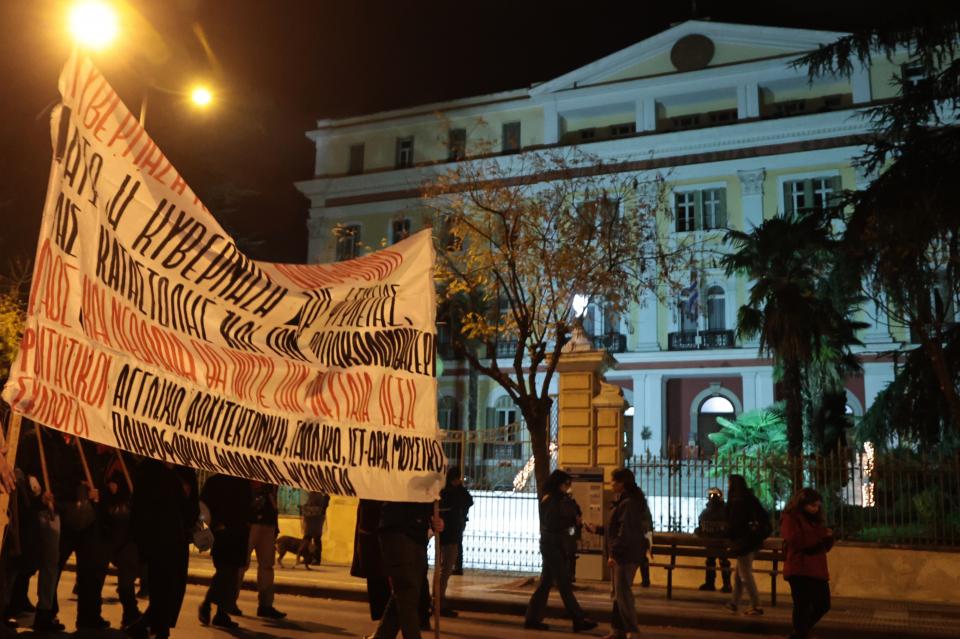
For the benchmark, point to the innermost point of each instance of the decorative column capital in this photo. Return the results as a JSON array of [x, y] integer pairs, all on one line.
[[751, 182], [315, 227]]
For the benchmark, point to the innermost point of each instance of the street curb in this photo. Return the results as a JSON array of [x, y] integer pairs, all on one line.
[[720, 622]]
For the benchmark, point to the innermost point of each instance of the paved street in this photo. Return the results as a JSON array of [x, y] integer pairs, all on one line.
[[315, 617]]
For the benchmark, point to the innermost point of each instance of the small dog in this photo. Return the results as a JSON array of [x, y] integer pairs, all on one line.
[[286, 543]]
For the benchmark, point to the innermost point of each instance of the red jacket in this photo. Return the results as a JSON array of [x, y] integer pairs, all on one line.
[[806, 545]]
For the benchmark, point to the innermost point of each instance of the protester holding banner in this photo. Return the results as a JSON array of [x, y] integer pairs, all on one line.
[[163, 511], [263, 537], [229, 500], [313, 509], [116, 500], [404, 532], [368, 558]]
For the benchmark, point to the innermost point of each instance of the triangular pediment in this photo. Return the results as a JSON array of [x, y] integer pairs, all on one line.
[[691, 46]]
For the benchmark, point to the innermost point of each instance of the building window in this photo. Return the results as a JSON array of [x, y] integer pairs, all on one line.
[[510, 140], [356, 159], [348, 242], [701, 210], [399, 230], [457, 144], [447, 414], [716, 309], [820, 192], [404, 152], [619, 130], [912, 75]]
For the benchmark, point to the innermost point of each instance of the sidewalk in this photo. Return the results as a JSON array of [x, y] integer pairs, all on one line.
[[479, 592]]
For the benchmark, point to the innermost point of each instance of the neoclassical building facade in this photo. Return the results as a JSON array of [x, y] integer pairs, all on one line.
[[739, 134]]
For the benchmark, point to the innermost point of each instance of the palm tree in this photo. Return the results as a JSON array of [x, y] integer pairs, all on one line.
[[788, 259]]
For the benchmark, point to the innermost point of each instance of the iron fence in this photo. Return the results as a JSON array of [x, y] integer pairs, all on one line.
[[891, 498]]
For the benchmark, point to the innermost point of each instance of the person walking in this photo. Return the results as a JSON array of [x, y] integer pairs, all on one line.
[[313, 509], [229, 500], [455, 503], [558, 520], [264, 526], [807, 541], [713, 525], [404, 530], [748, 524], [627, 545], [117, 498], [164, 508]]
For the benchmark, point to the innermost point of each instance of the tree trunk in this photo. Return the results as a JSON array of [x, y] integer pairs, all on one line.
[[794, 398], [537, 416], [945, 379]]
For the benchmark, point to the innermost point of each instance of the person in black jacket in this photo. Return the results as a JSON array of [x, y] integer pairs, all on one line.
[[116, 506], [455, 503], [367, 557], [404, 528], [627, 545], [163, 511], [558, 520], [229, 500], [713, 525], [745, 516]]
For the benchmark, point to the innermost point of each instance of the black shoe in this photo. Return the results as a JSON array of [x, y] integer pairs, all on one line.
[[645, 584], [536, 625], [269, 612], [707, 587], [203, 613], [223, 620], [447, 612], [97, 623], [130, 617], [726, 588], [232, 609], [584, 624]]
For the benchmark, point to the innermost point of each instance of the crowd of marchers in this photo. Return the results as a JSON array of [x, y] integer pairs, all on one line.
[[75, 497]]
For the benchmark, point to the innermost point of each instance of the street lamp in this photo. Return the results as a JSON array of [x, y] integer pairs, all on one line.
[[201, 96], [93, 24]]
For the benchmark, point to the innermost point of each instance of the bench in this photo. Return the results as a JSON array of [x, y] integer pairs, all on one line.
[[675, 545]]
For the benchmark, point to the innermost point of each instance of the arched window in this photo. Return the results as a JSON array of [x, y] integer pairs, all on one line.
[[710, 409], [448, 417], [716, 309]]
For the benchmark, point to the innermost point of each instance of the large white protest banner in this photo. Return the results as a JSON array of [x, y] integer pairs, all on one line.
[[148, 329]]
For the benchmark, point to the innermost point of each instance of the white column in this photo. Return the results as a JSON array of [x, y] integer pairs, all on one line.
[[646, 327], [645, 114], [316, 246], [748, 101], [551, 123], [749, 382], [860, 84], [763, 387], [751, 197], [648, 411], [876, 377]]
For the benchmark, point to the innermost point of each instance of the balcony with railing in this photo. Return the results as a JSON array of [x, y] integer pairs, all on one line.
[[700, 340], [611, 342]]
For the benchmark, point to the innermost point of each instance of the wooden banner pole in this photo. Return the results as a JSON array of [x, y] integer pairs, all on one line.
[[126, 471], [43, 459], [83, 462]]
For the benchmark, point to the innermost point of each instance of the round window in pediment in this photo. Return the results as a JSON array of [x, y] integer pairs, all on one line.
[[692, 52]]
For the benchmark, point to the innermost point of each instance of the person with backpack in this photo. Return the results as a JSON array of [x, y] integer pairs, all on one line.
[[807, 541], [748, 525]]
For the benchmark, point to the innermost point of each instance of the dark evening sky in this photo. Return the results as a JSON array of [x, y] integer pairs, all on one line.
[[278, 65]]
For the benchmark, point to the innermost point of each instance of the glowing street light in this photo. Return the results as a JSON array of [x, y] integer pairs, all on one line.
[[201, 96], [93, 24]]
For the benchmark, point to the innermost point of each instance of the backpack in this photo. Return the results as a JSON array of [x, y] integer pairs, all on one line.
[[759, 524]]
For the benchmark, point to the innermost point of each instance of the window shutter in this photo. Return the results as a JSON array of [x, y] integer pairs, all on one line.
[[787, 198], [722, 209], [677, 214], [491, 417], [808, 197]]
